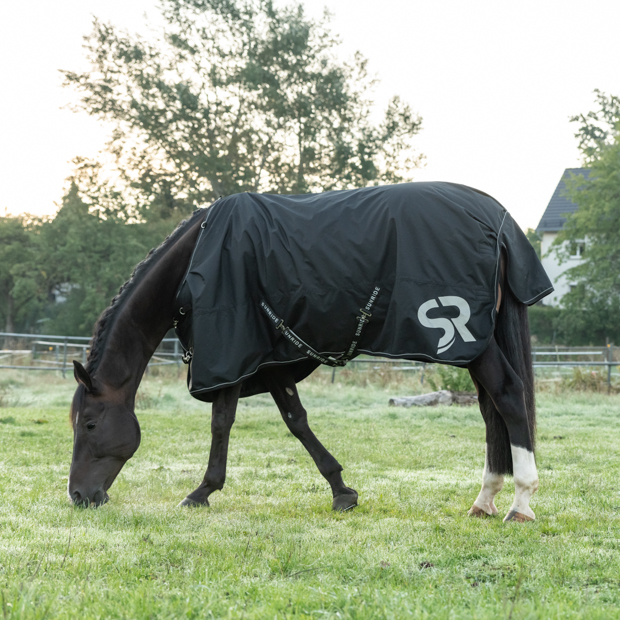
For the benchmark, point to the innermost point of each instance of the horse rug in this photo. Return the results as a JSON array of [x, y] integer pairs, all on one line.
[[405, 271]]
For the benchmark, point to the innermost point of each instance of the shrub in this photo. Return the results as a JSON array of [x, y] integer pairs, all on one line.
[[451, 378], [585, 380], [544, 323]]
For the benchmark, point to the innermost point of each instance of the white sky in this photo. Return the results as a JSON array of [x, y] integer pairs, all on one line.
[[495, 83]]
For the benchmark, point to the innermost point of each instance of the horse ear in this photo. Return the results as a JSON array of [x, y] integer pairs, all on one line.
[[81, 376]]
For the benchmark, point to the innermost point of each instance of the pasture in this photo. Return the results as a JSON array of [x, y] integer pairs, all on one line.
[[270, 547]]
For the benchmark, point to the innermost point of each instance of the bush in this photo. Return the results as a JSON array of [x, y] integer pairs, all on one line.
[[544, 324], [578, 323], [451, 378], [584, 380]]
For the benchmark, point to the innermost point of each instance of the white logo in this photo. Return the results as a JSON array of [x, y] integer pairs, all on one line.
[[448, 325]]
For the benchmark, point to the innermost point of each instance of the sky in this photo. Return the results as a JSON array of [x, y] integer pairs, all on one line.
[[495, 83]]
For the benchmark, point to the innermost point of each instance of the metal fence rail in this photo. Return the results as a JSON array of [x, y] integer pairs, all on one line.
[[48, 352]]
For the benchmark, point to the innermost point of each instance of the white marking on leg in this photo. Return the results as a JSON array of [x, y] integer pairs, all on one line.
[[491, 485], [526, 480]]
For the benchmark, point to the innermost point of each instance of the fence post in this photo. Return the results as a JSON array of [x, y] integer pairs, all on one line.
[[610, 359], [64, 359]]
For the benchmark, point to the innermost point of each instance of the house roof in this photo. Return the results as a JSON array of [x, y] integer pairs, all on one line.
[[552, 219]]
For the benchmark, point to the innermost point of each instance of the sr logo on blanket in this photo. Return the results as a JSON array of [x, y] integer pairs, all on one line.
[[448, 325]]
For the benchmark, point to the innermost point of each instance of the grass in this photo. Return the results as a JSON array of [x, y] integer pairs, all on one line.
[[270, 547]]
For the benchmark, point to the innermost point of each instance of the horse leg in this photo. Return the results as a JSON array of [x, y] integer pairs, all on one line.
[[284, 391], [505, 389], [222, 419], [492, 482]]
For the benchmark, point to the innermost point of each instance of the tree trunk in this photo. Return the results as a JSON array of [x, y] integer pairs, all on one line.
[[10, 314], [10, 322], [443, 397]]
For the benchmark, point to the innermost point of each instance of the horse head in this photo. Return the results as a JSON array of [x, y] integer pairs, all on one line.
[[106, 433]]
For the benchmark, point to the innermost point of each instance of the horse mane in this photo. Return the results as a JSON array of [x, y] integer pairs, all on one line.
[[109, 315]]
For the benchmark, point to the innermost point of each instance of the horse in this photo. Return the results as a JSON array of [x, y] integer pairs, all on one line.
[[106, 429]]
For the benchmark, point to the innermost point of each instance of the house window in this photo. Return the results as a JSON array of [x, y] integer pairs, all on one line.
[[577, 249]]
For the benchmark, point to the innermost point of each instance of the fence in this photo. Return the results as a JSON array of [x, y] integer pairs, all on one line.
[[46, 352]]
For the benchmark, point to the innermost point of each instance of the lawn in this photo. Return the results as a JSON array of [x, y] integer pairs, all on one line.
[[270, 547]]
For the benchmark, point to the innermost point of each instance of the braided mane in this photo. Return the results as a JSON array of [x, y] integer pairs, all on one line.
[[108, 316]]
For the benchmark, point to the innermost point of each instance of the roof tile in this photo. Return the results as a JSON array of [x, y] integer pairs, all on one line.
[[552, 219]]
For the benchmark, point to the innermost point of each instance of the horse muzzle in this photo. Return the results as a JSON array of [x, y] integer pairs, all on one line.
[[84, 499]]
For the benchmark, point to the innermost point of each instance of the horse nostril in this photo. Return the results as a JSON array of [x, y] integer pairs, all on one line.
[[76, 496]]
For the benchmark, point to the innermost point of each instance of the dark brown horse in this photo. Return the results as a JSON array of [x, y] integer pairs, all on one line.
[[107, 432]]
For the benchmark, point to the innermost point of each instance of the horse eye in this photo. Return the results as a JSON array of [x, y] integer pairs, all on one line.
[[90, 426]]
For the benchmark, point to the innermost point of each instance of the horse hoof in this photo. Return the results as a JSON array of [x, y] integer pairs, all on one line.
[[345, 501], [474, 511], [192, 502], [519, 517]]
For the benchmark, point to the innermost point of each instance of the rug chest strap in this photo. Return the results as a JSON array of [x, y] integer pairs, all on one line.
[[307, 350], [293, 338]]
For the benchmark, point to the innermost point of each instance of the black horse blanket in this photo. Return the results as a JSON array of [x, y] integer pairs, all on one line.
[[404, 271]]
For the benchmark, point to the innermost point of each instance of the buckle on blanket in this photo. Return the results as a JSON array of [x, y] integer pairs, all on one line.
[[181, 312], [186, 358], [365, 316]]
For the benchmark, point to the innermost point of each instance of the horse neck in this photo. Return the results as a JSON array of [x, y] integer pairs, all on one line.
[[145, 317]]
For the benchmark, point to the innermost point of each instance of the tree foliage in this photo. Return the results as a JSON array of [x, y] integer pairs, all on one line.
[[88, 251], [231, 96], [593, 301], [17, 297], [239, 96], [598, 128], [80, 256], [534, 238], [582, 325]]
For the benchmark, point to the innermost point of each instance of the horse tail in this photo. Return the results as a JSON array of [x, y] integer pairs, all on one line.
[[512, 332]]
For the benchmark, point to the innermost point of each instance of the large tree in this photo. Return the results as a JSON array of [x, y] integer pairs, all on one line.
[[238, 95], [80, 257], [232, 95], [594, 301], [17, 298]]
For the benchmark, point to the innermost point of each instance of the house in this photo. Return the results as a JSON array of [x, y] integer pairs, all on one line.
[[550, 225]]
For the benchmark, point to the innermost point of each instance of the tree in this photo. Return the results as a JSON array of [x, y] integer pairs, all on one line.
[[17, 236], [599, 128], [238, 96], [593, 300], [82, 255], [534, 238]]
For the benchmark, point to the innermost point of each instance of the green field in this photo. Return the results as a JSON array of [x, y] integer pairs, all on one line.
[[270, 547]]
